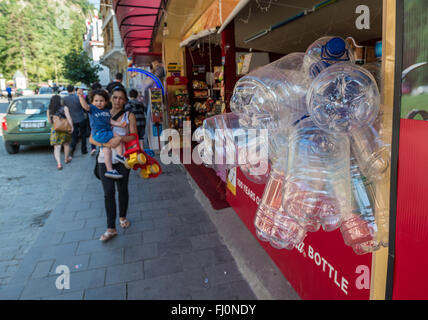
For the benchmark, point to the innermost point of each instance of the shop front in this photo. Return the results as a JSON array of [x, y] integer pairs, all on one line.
[[209, 60], [383, 34]]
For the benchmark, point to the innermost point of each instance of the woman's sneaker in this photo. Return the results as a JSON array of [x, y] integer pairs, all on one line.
[[113, 174], [120, 159]]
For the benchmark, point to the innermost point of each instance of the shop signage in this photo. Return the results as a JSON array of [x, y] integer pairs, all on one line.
[[322, 267], [174, 67]]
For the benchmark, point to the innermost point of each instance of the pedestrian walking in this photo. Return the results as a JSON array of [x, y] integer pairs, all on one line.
[[58, 139], [9, 93], [79, 120], [139, 110], [116, 83], [119, 100]]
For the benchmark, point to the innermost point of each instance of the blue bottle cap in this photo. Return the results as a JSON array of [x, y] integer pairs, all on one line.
[[336, 47]]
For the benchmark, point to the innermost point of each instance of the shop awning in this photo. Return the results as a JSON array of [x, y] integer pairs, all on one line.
[[137, 21], [212, 18]]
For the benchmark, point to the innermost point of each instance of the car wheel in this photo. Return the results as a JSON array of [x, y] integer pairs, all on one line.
[[12, 148]]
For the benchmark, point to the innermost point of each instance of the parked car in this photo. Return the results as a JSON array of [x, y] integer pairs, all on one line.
[[46, 90], [26, 123], [63, 93], [24, 92]]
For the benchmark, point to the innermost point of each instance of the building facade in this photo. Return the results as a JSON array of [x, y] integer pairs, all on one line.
[[114, 53], [93, 44]]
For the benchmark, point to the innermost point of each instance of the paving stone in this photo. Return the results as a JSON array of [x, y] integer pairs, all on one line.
[[11, 292], [40, 288], [59, 251], [105, 259], [242, 290], [198, 259], [141, 252], [96, 222], [218, 292], [113, 292], [206, 241], [162, 266], [174, 247], [189, 280], [138, 226], [158, 235], [222, 254], [74, 263], [223, 273], [42, 269], [194, 217], [79, 205], [120, 241], [90, 213], [148, 289], [186, 230], [87, 279], [78, 235], [76, 295], [69, 226], [124, 273], [155, 214]]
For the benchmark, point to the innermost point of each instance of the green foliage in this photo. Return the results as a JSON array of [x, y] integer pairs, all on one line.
[[78, 68], [33, 39], [416, 40]]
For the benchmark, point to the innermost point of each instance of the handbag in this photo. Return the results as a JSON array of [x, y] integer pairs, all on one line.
[[61, 124]]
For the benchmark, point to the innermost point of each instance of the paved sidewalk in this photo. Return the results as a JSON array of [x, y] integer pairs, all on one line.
[[171, 251]]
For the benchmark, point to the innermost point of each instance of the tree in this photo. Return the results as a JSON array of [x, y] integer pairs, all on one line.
[[78, 67], [34, 42]]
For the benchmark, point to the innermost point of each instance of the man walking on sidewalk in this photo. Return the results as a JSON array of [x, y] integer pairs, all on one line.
[[79, 120]]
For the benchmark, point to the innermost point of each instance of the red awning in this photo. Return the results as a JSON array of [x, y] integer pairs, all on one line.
[[137, 22]]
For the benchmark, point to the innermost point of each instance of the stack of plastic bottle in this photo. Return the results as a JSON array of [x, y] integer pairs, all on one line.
[[321, 112]]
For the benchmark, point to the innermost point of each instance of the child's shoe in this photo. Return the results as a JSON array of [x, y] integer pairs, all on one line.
[[113, 174], [120, 159]]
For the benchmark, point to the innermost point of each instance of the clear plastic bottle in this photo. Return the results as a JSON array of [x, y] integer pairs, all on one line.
[[272, 223], [324, 52], [317, 188], [359, 227], [273, 96], [345, 99], [365, 229], [221, 137]]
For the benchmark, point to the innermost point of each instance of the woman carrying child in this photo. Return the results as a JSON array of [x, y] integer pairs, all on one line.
[[128, 124]]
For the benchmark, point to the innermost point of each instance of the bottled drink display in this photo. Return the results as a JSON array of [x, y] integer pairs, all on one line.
[[317, 189], [345, 99], [325, 155], [272, 97], [324, 52]]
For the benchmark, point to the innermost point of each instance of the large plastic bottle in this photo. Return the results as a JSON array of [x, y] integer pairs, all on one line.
[[273, 96], [345, 99], [359, 226], [272, 223], [325, 52], [317, 188], [221, 137], [365, 229]]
